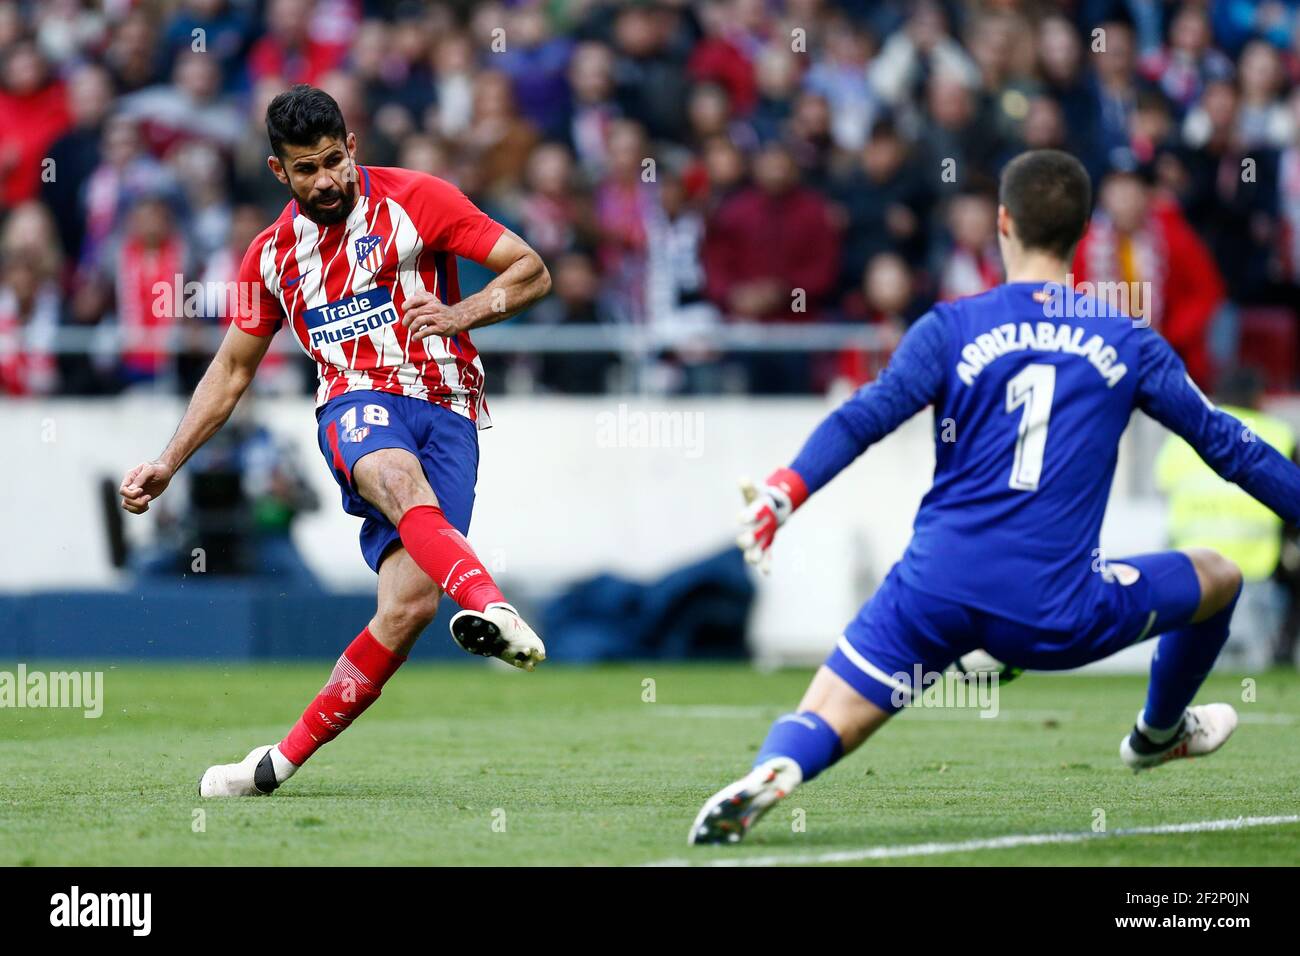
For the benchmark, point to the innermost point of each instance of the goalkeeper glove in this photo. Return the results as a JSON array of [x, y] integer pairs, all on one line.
[[766, 509]]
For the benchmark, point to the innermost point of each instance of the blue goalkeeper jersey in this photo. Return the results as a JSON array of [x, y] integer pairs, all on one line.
[[1032, 386]]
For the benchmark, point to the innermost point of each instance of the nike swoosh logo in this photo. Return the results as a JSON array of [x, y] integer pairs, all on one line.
[[290, 283]]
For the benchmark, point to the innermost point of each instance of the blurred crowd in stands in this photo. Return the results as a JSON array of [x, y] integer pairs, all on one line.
[[682, 166]]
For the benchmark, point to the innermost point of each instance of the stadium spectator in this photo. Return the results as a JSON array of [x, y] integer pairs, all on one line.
[[770, 244], [1287, 245], [141, 274], [453, 66], [1140, 240], [970, 263], [1061, 65], [650, 79], [33, 114], [1115, 92], [771, 254], [886, 202], [885, 300], [838, 76], [1189, 61], [923, 47], [575, 301], [961, 142], [219, 28], [75, 154], [623, 201], [778, 73], [721, 57], [1228, 192], [131, 55], [496, 146], [292, 50], [550, 212], [810, 141], [536, 63], [593, 109], [30, 302], [1262, 117], [190, 107]]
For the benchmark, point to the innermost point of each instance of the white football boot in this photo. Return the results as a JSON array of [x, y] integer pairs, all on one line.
[[1205, 729], [732, 812], [498, 631], [257, 775]]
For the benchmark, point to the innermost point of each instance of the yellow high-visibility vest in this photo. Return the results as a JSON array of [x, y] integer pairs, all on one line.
[[1206, 511]]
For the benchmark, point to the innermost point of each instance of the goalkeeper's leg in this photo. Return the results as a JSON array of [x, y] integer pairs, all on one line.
[[899, 639], [831, 722]]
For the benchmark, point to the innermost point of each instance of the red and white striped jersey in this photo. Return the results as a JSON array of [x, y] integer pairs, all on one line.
[[341, 288]]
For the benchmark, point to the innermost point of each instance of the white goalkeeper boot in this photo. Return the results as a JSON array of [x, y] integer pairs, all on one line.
[[257, 775], [498, 631], [732, 812], [1204, 730]]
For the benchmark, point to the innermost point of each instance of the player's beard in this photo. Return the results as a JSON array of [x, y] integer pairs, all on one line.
[[328, 216]]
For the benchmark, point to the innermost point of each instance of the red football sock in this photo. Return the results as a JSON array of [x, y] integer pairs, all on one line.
[[355, 684], [444, 555]]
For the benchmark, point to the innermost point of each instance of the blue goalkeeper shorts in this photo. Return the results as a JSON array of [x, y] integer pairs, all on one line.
[[355, 424], [903, 639]]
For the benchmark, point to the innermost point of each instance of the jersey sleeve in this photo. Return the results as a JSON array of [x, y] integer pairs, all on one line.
[[911, 381], [1167, 393], [448, 220], [257, 311]]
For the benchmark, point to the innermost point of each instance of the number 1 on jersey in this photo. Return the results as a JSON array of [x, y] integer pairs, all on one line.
[[1033, 388]]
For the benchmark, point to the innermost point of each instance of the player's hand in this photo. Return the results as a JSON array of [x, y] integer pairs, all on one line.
[[425, 315], [766, 509], [143, 484]]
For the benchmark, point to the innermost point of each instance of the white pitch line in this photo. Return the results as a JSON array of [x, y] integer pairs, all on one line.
[[969, 714], [990, 843]]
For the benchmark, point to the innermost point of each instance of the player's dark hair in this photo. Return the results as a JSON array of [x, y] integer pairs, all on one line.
[[1049, 197], [301, 115]]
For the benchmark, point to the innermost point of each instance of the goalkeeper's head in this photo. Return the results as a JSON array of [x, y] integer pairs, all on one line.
[[313, 153], [1044, 201]]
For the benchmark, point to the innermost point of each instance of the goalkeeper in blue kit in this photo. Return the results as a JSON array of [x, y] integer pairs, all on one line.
[[1033, 384]]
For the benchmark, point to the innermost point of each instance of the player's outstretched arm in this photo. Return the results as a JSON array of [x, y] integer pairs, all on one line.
[[912, 380], [1227, 444], [218, 391], [522, 278]]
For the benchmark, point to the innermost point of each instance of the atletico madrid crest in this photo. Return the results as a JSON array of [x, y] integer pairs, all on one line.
[[370, 254]]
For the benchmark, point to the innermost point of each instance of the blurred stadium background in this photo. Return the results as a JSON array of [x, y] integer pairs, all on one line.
[[743, 204]]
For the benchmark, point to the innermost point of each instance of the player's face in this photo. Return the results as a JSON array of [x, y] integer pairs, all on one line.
[[322, 177]]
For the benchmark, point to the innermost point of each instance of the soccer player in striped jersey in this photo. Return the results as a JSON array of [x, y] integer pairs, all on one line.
[[1032, 383], [361, 267]]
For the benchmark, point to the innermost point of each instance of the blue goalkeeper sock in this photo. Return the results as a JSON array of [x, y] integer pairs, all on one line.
[[806, 739], [1182, 661]]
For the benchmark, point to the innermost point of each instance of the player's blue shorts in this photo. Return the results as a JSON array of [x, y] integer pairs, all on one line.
[[903, 636], [357, 423]]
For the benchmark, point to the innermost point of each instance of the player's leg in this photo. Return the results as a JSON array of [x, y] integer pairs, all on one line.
[[832, 721], [407, 604], [411, 469], [1168, 726], [872, 674], [394, 481]]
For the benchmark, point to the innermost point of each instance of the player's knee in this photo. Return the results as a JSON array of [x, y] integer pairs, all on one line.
[[407, 618], [1220, 577], [395, 484]]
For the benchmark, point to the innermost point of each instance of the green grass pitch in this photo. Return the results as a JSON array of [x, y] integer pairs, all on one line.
[[474, 764]]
